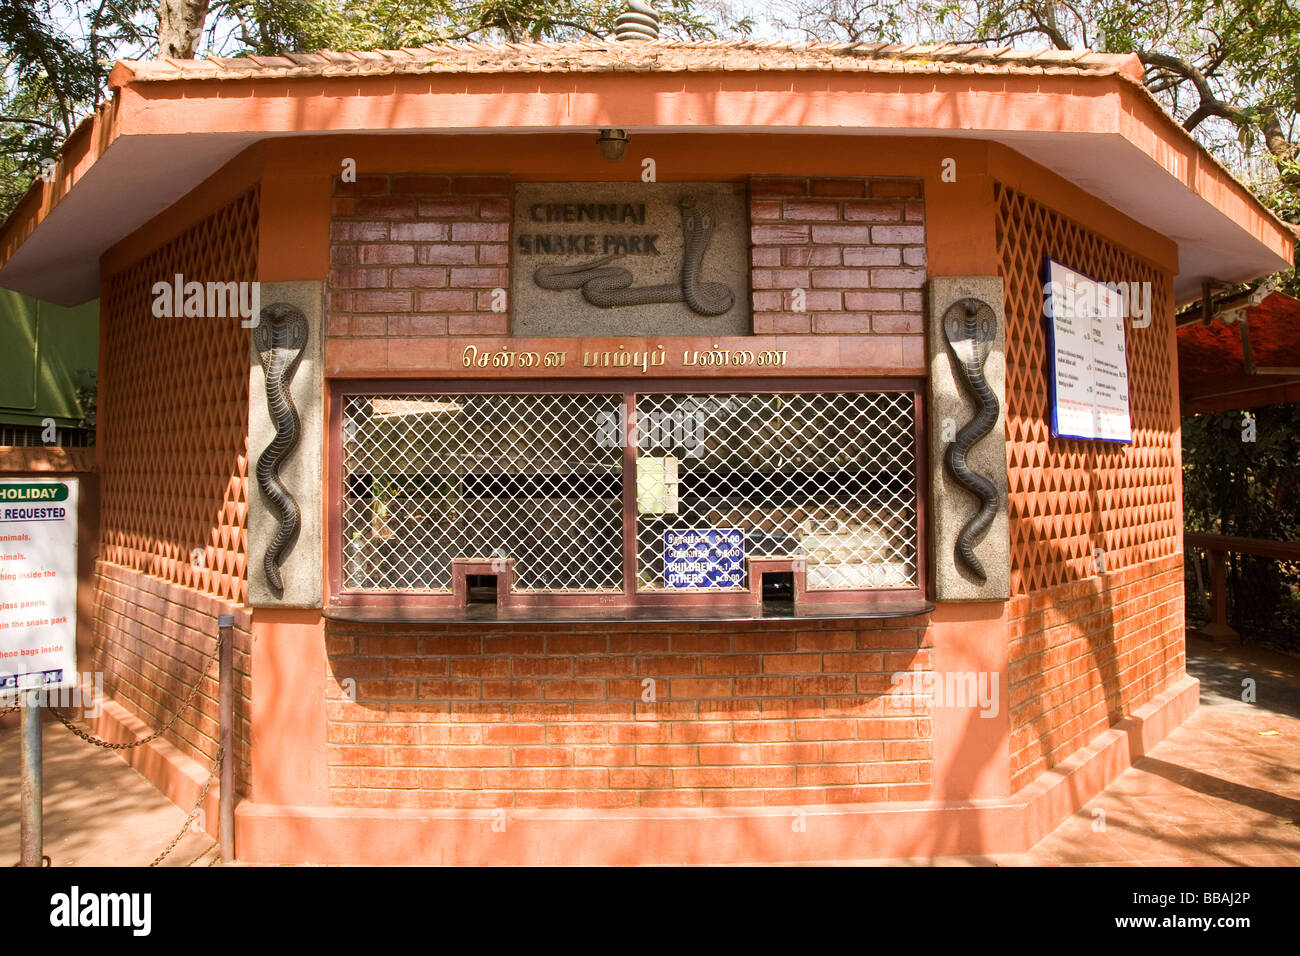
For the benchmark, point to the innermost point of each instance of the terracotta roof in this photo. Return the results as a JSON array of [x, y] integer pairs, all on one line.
[[655, 56], [1210, 363]]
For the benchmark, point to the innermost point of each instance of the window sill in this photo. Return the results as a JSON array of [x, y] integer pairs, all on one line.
[[492, 614]]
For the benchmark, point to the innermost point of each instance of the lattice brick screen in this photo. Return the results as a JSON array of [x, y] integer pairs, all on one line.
[[1069, 497], [173, 414]]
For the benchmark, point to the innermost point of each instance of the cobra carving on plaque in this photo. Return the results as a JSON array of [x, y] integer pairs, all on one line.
[[971, 329], [279, 340], [630, 259]]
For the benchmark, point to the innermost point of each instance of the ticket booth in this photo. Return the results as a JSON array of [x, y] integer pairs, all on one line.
[[642, 453]]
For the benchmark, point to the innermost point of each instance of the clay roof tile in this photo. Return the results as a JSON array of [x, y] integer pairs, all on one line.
[[663, 55]]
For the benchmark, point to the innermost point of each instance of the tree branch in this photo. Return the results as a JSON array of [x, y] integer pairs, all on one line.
[[30, 122], [1049, 30], [1210, 104]]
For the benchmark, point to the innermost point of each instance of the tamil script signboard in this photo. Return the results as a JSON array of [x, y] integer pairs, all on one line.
[[711, 558], [1086, 356], [38, 583]]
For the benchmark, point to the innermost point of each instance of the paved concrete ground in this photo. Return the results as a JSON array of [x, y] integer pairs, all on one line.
[[1222, 790], [98, 810]]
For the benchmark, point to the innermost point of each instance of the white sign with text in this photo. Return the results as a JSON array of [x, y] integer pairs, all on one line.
[[38, 583], [1087, 356]]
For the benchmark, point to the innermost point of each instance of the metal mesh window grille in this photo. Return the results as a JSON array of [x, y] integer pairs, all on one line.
[[432, 478], [826, 478]]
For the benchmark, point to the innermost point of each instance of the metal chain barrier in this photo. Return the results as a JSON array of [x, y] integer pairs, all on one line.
[[189, 817], [189, 700], [91, 739]]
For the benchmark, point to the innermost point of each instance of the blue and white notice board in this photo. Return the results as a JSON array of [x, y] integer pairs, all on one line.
[[704, 558], [1087, 356]]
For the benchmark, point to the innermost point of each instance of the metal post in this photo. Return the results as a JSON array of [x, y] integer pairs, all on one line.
[[226, 700], [32, 826]]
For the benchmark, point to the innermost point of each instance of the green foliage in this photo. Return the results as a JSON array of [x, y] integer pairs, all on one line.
[[55, 55], [54, 60], [1228, 69], [271, 26], [1249, 489], [88, 397]]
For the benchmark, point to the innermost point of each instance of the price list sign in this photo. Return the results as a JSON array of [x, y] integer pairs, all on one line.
[[38, 584], [1089, 365], [712, 558]]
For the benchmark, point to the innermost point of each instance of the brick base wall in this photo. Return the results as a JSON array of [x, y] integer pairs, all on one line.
[[556, 716], [1085, 654], [152, 641]]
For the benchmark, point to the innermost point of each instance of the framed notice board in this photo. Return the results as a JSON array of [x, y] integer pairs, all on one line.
[[1087, 356], [38, 583], [704, 558]]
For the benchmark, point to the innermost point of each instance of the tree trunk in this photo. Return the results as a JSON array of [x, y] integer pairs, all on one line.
[[180, 25]]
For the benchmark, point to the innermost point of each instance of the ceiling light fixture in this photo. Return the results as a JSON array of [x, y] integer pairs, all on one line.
[[612, 143]]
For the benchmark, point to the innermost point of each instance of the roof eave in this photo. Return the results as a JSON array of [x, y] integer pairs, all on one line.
[[148, 113]]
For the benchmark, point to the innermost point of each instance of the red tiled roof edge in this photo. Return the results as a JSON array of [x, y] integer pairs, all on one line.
[[654, 56]]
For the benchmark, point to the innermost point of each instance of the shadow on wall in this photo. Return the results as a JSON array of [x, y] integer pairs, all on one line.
[[555, 716]]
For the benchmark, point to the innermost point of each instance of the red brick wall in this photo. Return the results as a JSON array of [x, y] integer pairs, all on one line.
[[414, 256], [1087, 653], [553, 716], [152, 644], [856, 247]]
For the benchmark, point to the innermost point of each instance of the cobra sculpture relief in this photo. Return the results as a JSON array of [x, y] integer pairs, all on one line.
[[608, 286], [971, 328], [279, 339]]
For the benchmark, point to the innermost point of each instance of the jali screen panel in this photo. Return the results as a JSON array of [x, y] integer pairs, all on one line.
[[1069, 499], [173, 414]]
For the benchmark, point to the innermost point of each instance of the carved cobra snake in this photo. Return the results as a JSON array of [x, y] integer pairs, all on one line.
[[608, 286], [279, 339], [971, 327]]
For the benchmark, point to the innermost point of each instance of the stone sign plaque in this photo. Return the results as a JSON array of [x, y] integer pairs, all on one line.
[[593, 259]]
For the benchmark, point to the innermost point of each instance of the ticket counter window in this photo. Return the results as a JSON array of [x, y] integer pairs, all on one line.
[[633, 496]]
